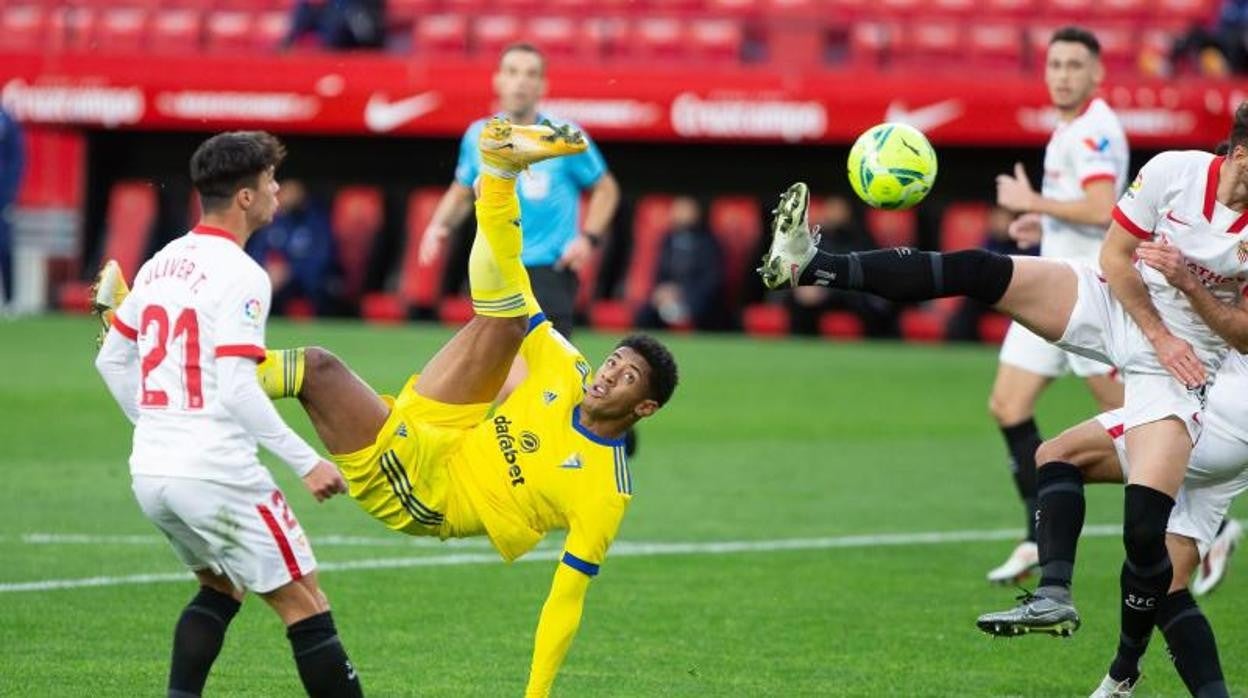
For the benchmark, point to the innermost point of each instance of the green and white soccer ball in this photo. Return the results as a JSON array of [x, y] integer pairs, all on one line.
[[892, 166]]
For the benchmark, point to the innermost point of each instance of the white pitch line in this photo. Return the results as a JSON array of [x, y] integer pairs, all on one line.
[[319, 541], [620, 549]]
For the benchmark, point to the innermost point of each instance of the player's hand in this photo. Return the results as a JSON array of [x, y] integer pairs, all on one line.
[[1026, 230], [432, 242], [576, 254], [1168, 260], [325, 481], [1180, 360], [1014, 191]]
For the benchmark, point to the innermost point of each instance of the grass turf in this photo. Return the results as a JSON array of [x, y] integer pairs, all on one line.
[[764, 440]]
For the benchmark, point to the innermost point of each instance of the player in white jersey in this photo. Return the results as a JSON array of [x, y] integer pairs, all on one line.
[[1085, 170], [1218, 473], [1128, 318], [180, 359]]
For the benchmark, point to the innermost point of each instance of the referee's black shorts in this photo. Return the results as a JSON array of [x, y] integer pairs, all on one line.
[[556, 292]]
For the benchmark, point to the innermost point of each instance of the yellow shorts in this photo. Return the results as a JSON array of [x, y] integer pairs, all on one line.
[[403, 478]]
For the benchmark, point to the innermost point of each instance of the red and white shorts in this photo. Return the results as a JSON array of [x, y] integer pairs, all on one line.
[[248, 534]]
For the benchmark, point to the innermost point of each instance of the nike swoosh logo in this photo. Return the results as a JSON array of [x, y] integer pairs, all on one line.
[[382, 115], [1170, 215], [924, 118]]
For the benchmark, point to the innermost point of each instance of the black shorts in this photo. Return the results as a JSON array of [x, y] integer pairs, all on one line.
[[556, 292]]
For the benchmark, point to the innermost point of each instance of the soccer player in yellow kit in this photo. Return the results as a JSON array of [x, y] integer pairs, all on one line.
[[435, 462]]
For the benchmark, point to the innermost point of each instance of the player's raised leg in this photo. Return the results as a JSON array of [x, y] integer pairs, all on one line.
[[472, 367], [1039, 293]]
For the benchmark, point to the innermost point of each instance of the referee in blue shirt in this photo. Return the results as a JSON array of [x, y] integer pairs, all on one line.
[[550, 194]]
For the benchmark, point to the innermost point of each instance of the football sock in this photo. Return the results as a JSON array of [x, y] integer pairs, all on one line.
[[1146, 574], [197, 640], [281, 372], [1059, 521], [907, 275], [1190, 639], [322, 661], [1022, 440], [499, 282]]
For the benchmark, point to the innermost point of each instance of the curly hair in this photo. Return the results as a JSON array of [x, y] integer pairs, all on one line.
[[663, 374]]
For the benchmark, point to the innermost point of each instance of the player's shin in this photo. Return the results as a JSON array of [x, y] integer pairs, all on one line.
[[499, 281], [1190, 639], [197, 640], [1022, 440], [323, 665], [1059, 521], [282, 371], [1146, 574], [907, 275]]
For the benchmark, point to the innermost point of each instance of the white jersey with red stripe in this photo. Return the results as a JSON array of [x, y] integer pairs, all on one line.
[[1090, 147], [1174, 199], [198, 299]]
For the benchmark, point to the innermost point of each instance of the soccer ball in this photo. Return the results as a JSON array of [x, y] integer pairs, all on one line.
[[892, 166]]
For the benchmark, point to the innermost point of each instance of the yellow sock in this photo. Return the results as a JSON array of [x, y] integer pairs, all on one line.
[[500, 284], [281, 372]]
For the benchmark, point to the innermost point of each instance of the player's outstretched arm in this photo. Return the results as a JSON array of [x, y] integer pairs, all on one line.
[[1117, 255], [117, 363], [245, 400], [1229, 321], [561, 616]]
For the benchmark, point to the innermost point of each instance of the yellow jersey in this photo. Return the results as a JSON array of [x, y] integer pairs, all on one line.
[[532, 467]]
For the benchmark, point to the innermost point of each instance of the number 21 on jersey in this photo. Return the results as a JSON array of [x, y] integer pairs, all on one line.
[[154, 330]]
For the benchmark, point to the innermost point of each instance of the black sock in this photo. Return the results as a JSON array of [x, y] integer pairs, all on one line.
[[1145, 576], [907, 275], [197, 640], [1190, 639], [323, 664], [1059, 521], [1023, 439]]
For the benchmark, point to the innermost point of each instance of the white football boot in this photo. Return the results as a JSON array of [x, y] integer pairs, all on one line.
[[1212, 569], [1018, 566], [1110, 688], [792, 242]]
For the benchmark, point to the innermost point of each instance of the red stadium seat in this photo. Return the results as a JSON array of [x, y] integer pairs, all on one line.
[[441, 35], [175, 31], [121, 29], [902, 9], [932, 43], [23, 27], [733, 8], [128, 225], [736, 222], [493, 33], [520, 7], [893, 228], [996, 44], [403, 14], [608, 37], [1119, 46], [650, 220], [659, 38], [420, 285], [716, 39], [992, 327], [841, 324], [556, 36], [1066, 10], [927, 323], [71, 28], [963, 226], [956, 8], [229, 31], [1016, 9], [271, 29], [869, 43], [850, 10], [765, 320], [792, 8], [356, 220], [1125, 10], [1186, 11], [468, 7]]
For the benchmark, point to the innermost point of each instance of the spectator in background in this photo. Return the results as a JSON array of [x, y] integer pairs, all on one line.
[[840, 233], [12, 164], [297, 250], [1216, 50], [963, 325], [690, 274], [339, 24]]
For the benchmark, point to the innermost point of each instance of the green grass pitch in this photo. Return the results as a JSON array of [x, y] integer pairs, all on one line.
[[765, 441]]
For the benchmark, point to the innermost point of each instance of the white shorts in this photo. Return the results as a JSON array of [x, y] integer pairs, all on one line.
[[248, 534], [1025, 349], [1101, 329], [1218, 473]]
